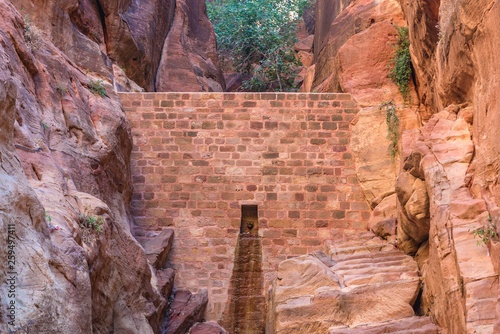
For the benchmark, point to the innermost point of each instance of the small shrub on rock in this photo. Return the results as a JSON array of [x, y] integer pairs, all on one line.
[[97, 88], [31, 34], [400, 66], [90, 225]]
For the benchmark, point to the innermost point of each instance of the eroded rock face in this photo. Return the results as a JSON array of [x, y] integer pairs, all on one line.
[[375, 168], [364, 281], [65, 153], [455, 269], [185, 311], [189, 61], [207, 328], [357, 42], [134, 35], [93, 34], [352, 48]]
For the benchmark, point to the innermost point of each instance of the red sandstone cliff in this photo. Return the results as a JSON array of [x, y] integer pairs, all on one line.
[[154, 42], [447, 180], [65, 147]]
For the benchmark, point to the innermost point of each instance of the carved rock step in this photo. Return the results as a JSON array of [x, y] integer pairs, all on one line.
[[365, 242], [341, 253], [355, 240], [380, 267], [411, 325], [367, 283]]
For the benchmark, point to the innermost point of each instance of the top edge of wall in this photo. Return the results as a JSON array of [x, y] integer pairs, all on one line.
[[234, 95]]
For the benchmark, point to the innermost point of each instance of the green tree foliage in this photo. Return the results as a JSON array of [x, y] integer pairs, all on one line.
[[400, 65], [257, 36]]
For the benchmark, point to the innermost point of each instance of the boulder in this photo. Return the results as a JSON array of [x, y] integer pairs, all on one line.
[[166, 281], [385, 229], [233, 81], [305, 45], [186, 310], [386, 209], [306, 58], [307, 79], [207, 328], [158, 247]]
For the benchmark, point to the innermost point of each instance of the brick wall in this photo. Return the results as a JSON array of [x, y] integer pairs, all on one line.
[[199, 156]]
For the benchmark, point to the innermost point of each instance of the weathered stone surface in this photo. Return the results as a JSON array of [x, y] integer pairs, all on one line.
[[207, 328], [186, 310], [233, 81], [375, 169], [302, 276], [385, 229], [158, 247], [364, 73], [420, 325], [454, 261], [189, 61], [369, 282], [135, 32], [65, 152], [306, 58], [307, 79], [166, 281], [326, 12], [122, 83], [386, 209], [92, 33], [304, 45], [337, 28]]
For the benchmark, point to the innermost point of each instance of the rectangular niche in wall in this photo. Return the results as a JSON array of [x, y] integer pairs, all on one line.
[[249, 219]]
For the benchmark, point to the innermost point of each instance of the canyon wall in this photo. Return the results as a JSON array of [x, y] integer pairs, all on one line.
[[453, 46], [65, 152], [65, 157], [198, 159], [146, 41], [446, 175]]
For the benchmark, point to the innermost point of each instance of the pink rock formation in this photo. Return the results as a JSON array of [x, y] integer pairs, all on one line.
[[65, 148], [189, 61], [66, 152], [461, 290], [363, 280]]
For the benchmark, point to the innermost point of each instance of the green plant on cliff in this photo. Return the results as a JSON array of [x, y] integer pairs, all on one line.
[[61, 89], [392, 121], [90, 222], [97, 88], [400, 66], [256, 37], [486, 233]]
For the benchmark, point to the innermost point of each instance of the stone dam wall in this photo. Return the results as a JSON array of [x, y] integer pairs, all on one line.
[[202, 161]]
